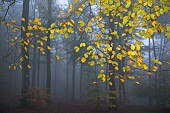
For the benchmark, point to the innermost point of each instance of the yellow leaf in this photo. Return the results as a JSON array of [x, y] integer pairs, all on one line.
[[89, 23], [149, 73], [20, 66], [21, 59], [23, 19], [13, 21], [83, 59], [110, 83], [26, 56], [131, 77], [137, 83], [52, 30], [145, 67], [116, 22], [51, 36], [122, 80], [36, 20], [48, 47], [81, 22], [83, 44], [159, 62], [25, 48], [132, 47], [94, 82], [71, 6], [86, 55], [154, 23], [76, 1], [116, 68], [53, 25], [89, 48], [100, 76], [14, 67], [57, 57], [138, 47], [116, 77], [76, 48], [29, 66], [102, 71], [133, 15], [30, 28], [91, 63]]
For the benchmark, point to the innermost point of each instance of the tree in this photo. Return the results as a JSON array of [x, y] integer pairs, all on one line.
[[25, 54], [112, 22], [48, 58]]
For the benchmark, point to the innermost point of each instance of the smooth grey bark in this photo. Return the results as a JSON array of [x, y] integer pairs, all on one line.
[[67, 77], [150, 101], [73, 78], [156, 74], [81, 74]]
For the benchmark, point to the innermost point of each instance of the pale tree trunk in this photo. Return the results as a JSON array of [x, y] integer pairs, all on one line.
[[150, 101], [67, 77], [156, 75], [74, 69], [81, 74]]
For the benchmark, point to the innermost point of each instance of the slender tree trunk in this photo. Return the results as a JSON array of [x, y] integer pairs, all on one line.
[[48, 58], [38, 69], [55, 79], [34, 66], [67, 79], [81, 74], [106, 85], [73, 78], [74, 67], [25, 63], [112, 88], [123, 84], [156, 75], [150, 101]]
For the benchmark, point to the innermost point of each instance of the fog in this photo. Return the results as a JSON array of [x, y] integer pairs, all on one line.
[[71, 78]]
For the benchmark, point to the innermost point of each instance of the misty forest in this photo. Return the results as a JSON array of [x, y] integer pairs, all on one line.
[[84, 56]]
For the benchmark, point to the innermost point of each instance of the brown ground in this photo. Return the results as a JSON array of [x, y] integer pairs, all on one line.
[[77, 107]]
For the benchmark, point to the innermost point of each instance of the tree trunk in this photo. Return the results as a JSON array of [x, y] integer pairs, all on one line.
[[25, 63], [74, 67], [34, 66], [150, 101], [156, 75], [48, 58], [81, 74], [73, 79], [67, 81]]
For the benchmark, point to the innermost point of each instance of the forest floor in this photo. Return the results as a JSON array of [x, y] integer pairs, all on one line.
[[77, 107]]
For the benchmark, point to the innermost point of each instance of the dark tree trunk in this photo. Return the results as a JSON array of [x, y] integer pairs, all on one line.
[[25, 63], [48, 58], [112, 88]]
